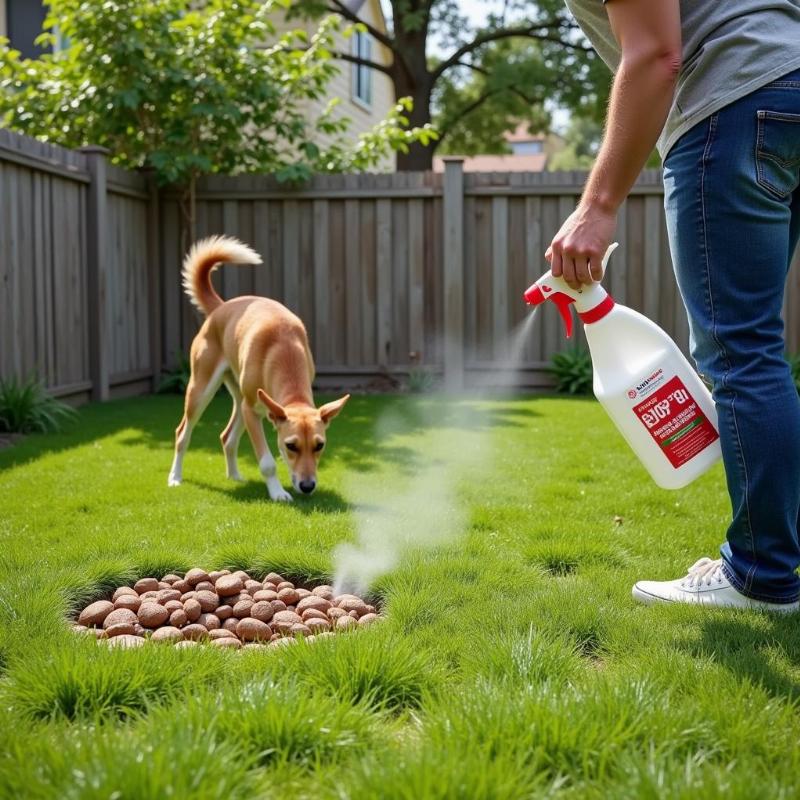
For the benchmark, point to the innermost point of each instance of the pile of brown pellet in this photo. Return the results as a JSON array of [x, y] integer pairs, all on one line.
[[224, 608]]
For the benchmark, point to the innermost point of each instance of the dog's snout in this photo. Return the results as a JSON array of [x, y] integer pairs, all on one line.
[[308, 486]]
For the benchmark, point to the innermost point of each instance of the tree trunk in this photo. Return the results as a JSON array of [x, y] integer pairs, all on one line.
[[412, 79], [187, 202], [419, 157]]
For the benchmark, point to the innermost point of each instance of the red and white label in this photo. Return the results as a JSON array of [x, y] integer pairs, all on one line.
[[676, 422]]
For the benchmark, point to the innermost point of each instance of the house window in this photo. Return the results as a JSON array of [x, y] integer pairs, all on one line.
[[527, 148], [24, 21], [362, 75]]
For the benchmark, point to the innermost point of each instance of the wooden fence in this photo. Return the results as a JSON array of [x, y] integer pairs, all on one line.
[[389, 272], [76, 285]]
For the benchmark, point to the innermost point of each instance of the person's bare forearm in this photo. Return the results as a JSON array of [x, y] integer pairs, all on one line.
[[640, 101], [649, 38]]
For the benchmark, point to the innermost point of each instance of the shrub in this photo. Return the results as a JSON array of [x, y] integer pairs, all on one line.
[[25, 407], [573, 371], [420, 380], [176, 379]]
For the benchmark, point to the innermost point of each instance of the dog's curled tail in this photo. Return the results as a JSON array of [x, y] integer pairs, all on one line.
[[204, 257]]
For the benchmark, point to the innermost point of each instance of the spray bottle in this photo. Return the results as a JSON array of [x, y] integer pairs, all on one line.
[[646, 385]]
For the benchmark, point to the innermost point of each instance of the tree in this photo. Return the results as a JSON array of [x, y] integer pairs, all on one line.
[[185, 90], [581, 143], [474, 75]]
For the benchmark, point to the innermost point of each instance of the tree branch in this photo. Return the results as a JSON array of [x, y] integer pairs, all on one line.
[[469, 65], [478, 102], [468, 109], [525, 32], [353, 60], [363, 62], [343, 11]]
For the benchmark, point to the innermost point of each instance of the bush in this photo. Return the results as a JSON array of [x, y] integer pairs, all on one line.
[[176, 379], [25, 407], [573, 371], [420, 380]]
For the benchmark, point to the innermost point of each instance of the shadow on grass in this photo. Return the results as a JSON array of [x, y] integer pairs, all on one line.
[[749, 647], [358, 438], [256, 492]]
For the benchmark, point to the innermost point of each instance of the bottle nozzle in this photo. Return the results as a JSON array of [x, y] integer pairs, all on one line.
[[555, 289]]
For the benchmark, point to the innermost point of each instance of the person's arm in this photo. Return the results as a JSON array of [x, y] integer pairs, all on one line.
[[649, 35]]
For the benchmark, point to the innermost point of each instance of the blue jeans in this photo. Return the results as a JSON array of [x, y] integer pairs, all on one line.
[[732, 198]]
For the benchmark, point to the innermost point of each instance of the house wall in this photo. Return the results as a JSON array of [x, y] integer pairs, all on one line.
[[361, 118]]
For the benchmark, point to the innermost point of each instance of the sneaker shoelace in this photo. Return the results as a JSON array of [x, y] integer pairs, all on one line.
[[705, 572]]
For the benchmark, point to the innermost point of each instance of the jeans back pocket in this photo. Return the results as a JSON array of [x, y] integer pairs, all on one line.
[[778, 152]]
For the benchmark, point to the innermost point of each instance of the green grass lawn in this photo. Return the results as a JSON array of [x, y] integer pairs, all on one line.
[[513, 662]]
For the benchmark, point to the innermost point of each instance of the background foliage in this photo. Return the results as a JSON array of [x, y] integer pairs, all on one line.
[[184, 90]]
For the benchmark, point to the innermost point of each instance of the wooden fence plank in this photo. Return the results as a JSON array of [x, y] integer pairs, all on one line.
[[383, 279], [291, 279], [171, 290], [352, 297], [322, 302], [97, 273], [154, 273], [535, 266], [499, 271], [400, 332], [305, 307], [263, 276], [14, 272], [453, 224], [618, 265], [483, 279], [230, 227], [651, 269], [368, 288], [635, 252], [416, 278], [26, 299], [40, 270], [337, 281]]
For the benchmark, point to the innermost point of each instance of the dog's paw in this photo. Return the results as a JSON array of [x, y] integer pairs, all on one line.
[[236, 477], [280, 496], [172, 480]]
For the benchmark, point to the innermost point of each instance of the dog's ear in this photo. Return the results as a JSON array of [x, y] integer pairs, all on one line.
[[330, 410], [277, 413]]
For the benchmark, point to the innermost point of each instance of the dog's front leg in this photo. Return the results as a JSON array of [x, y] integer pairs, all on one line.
[[266, 463]]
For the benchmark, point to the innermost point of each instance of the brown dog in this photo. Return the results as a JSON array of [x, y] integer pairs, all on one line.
[[260, 350]]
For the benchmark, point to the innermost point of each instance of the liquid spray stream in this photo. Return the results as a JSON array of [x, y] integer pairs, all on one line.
[[422, 508]]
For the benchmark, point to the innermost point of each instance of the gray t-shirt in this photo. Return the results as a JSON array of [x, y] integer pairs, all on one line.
[[729, 50]]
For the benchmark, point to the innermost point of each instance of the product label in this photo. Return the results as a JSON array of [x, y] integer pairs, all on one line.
[[676, 422]]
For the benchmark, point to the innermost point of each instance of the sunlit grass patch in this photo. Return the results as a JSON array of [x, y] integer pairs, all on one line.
[[373, 667], [277, 721], [87, 680], [511, 661]]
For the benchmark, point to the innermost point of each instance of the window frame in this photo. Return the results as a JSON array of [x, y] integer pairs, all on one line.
[[361, 85]]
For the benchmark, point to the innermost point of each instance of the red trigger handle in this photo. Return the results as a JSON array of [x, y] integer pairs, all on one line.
[[563, 302]]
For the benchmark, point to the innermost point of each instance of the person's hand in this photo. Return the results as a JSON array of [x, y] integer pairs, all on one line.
[[576, 253]]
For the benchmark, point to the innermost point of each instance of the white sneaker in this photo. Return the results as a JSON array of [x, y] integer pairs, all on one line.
[[707, 585]]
